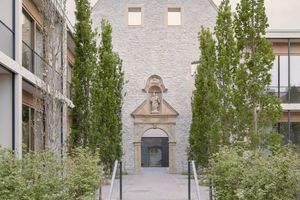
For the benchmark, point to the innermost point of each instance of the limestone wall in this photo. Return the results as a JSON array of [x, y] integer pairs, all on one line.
[[155, 48]]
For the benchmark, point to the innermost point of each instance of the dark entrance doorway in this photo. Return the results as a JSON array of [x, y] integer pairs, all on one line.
[[155, 152]]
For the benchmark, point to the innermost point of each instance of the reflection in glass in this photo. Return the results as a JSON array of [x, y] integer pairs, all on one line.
[[27, 57], [27, 30], [295, 80], [284, 84], [295, 132], [27, 129], [6, 44]]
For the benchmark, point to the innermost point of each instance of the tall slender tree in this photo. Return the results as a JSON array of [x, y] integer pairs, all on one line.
[[255, 108], [85, 61], [107, 100], [204, 134], [227, 60]]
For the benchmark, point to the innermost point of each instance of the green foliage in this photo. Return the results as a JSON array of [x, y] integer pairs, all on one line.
[[83, 174], [44, 176], [230, 103], [98, 83], [241, 174], [227, 60], [254, 108], [107, 96], [85, 62], [204, 133]]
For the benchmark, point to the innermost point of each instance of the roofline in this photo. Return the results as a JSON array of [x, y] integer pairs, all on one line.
[[214, 5], [283, 33]]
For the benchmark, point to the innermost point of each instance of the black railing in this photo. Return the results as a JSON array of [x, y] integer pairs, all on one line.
[[7, 40], [280, 92], [32, 61]]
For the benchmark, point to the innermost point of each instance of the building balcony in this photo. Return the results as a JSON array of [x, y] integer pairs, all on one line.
[[7, 40], [33, 62]]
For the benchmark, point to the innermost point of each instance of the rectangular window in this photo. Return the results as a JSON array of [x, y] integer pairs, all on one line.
[[135, 16], [284, 78], [27, 29], [285, 72], [28, 38], [27, 129], [295, 72], [69, 81], [7, 13], [174, 16]]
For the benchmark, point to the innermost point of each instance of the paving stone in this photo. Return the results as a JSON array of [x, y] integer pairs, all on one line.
[[155, 184]]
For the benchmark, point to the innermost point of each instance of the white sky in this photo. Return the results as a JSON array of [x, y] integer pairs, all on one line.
[[282, 14]]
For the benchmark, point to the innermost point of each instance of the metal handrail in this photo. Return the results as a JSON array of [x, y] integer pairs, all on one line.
[[113, 180], [196, 179]]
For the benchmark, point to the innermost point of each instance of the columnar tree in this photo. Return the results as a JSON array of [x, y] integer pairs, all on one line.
[[107, 101], [85, 61], [204, 134], [230, 102], [227, 60], [254, 107]]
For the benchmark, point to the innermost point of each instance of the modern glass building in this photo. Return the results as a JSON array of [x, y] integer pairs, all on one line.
[[26, 73], [286, 82]]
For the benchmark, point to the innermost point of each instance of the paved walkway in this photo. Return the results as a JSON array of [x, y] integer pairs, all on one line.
[[155, 184]]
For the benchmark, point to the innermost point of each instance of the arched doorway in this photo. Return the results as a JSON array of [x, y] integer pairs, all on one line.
[[154, 116], [155, 149]]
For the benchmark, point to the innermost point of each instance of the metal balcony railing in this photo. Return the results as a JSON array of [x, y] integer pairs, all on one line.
[[7, 40], [32, 61]]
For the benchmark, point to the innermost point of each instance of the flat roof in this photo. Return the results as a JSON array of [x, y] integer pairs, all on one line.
[[283, 33]]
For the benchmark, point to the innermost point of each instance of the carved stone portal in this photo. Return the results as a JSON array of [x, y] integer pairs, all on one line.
[[154, 112]]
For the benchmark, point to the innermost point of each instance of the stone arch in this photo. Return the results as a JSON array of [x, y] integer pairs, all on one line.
[[167, 130], [145, 119], [141, 129]]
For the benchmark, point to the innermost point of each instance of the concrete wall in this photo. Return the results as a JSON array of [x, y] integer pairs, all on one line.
[[155, 48], [6, 110]]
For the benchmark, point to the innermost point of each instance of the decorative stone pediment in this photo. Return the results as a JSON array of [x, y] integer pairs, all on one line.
[[144, 111], [155, 109]]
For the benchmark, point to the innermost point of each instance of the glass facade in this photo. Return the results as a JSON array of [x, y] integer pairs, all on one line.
[[295, 79], [27, 129], [7, 28], [33, 52], [6, 108], [286, 86], [27, 47], [286, 72]]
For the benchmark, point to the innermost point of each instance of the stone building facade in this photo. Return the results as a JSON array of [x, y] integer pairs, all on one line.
[[158, 42]]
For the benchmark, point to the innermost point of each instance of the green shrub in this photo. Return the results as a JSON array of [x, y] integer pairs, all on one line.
[[255, 174], [45, 176], [84, 174]]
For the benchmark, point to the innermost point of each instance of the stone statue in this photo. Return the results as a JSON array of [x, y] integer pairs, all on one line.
[[155, 101]]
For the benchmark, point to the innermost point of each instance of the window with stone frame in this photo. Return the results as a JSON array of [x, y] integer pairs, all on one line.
[[174, 16], [135, 16]]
